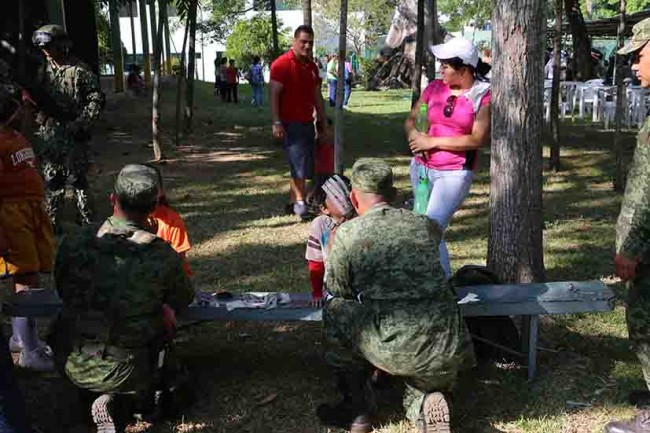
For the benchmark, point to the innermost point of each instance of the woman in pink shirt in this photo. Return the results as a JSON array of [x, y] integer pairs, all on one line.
[[459, 124]]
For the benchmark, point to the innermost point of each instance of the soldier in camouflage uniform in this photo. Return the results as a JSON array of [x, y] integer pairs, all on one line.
[[392, 308], [632, 260], [120, 287], [62, 145]]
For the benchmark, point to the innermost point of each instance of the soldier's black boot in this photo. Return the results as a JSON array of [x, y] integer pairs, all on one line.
[[109, 414], [353, 412], [640, 424], [639, 397]]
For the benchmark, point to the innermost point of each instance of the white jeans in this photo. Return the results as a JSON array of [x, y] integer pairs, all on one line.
[[448, 191]]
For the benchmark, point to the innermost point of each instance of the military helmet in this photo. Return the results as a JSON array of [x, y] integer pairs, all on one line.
[[48, 34]]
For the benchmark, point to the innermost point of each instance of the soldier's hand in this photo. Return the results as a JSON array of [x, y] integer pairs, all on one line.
[[316, 302], [625, 267]]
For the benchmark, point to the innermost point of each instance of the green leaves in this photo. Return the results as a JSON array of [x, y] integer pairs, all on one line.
[[254, 37]]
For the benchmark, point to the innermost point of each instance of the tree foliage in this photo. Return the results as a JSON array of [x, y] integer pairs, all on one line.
[[367, 19], [462, 12], [254, 38], [610, 8]]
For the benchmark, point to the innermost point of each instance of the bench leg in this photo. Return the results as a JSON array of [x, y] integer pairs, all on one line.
[[530, 330]]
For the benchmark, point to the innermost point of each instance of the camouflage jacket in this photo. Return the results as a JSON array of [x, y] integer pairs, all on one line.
[[385, 266], [633, 226], [113, 284], [75, 89]]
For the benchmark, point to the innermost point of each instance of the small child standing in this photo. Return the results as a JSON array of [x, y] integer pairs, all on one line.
[[27, 245], [333, 200], [169, 225]]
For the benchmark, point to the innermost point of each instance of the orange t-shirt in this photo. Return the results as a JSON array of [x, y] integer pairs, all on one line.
[[19, 176], [171, 229]]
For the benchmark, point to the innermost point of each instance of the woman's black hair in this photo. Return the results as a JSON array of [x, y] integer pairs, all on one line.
[[480, 71]]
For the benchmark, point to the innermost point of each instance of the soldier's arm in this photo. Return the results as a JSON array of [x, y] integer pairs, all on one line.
[[180, 291], [633, 226], [338, 266], [91, 98]]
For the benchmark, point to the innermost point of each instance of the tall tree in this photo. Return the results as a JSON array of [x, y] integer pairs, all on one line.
[[116, 45], [581, 65], [555, 90], [620, 176], [191, 65], [154, 26], [515, 241], [144, 30], [168, 59], [132, 20], [306, 12], [180, 80], [461, 13], [274, 24], [254, 37], [338, 122], [155, 105], [416, 80]]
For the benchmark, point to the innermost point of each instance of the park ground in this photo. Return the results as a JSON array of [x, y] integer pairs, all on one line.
[[229, 182]]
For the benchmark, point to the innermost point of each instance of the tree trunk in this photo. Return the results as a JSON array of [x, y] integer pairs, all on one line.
[[416, 80], [555, 91], [590, 9], [306, 12], [338, 118], [620, 176], [180, 79], [581, 64], [274, 27], [144, 30], [168, 58], [116, 46], [191, 66], [154, 26], [432, 35], [155, 106], [515, 250], [135, 51]]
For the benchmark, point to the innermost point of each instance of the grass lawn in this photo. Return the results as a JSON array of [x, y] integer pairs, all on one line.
[[229, 182]]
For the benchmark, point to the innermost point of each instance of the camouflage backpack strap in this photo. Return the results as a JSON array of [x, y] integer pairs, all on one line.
[[142, 237]]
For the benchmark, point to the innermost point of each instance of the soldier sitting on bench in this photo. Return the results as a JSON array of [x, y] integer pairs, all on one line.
[[120, 287]]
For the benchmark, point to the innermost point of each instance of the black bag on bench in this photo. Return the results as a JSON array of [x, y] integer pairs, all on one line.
[[497, 329]]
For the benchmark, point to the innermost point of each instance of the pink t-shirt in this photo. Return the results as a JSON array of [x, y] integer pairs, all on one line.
[[460, 123]]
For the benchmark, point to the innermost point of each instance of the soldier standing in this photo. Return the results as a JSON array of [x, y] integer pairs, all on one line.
[[392, 309], [632, 260], [62, 148], [120, 288]]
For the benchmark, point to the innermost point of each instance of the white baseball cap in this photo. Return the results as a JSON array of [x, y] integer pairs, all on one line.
[[457, 47]]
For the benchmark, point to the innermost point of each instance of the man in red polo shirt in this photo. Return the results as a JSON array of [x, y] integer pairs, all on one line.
[[295, 93]]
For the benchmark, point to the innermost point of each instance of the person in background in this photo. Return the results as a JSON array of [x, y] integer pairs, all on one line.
[[459, 124], [217, 77], [295, 95], [349, 79], [225, 89], [257, 82], [332, 77], [134, 81], [632, 257], [332, 198], [169, 225], [232, 81], [29, 244]]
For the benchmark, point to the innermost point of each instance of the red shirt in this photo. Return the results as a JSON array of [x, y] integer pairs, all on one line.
[[300, 81], [19, 176]]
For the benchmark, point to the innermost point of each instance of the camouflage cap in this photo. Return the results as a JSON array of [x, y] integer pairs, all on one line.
[[48, 33], [640, 37], [372, 175], [139, 184]]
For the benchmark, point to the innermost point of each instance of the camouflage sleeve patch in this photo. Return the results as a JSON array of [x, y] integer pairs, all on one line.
[[633, 225]]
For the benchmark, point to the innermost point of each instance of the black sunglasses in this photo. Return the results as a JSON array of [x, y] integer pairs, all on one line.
[[449, 108]]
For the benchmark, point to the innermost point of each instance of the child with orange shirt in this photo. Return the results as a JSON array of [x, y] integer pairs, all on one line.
[[169, 225], [28, 245]]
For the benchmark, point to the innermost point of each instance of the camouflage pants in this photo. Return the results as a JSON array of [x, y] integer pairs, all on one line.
[[342, 333], [638, 317], [63, 170]]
